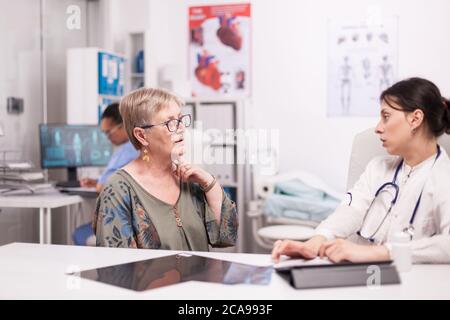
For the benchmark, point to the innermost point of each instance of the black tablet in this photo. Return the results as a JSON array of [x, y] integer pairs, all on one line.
[[341, 275]]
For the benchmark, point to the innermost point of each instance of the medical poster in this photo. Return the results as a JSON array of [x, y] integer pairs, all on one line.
[[219, 51], [111, 80], [111, 71], [362, 62]]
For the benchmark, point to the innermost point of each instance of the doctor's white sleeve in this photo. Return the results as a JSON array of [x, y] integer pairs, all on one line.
[[435, 249], [348, 217]]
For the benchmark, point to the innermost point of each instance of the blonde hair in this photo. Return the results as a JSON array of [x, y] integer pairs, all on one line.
[[139, 107]]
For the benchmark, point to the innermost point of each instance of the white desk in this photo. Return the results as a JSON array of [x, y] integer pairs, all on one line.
[[32, 271], [44, 201]]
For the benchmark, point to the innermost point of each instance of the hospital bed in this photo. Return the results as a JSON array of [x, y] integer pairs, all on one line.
[[268, 228]]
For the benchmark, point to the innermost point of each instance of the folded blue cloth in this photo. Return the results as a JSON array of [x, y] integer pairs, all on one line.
[[82, 233], [294, 199]]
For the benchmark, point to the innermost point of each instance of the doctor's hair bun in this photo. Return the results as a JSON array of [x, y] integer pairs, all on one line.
[[447, 115], [417, 93]]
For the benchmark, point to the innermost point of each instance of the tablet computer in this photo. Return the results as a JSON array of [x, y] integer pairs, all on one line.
[[341, 275]]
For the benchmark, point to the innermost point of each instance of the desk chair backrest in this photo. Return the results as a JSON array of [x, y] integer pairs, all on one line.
[[366, 146]]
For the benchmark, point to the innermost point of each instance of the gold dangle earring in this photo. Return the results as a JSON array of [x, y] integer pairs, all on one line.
[[146, 157]]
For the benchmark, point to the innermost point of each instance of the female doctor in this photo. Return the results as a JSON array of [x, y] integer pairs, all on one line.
[[408, 191]]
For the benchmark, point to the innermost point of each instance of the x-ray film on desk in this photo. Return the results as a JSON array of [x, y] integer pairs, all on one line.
[[170, 270]]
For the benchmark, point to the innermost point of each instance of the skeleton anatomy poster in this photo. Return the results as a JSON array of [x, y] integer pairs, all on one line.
[[219, 50], [362, 62]]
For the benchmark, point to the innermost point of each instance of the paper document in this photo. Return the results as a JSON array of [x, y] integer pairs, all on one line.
[[11, 188], [19, 165], [23, 176]]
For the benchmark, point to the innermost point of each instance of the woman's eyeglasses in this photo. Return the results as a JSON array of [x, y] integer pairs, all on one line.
[[110, 132], [173, 124]]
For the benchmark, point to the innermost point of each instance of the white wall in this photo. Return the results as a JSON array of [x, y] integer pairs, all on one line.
[[58, 39], [120, 18], [290, 71], [20, 76]]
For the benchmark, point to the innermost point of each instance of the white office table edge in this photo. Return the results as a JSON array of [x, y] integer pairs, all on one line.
[[423, 282], [45, 214]]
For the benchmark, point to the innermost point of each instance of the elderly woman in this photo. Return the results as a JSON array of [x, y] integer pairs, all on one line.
[[151, 202]]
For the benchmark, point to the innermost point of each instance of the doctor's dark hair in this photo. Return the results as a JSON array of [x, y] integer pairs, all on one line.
[[112, 112], [417, 93]]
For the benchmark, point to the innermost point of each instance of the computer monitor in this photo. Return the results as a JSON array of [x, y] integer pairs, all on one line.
[[73, 146]]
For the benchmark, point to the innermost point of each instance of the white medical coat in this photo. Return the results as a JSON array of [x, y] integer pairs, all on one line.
[[431, 241]]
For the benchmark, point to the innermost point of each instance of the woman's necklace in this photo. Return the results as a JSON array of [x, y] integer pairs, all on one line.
[[406, 176], [177, 216], [176, 212]]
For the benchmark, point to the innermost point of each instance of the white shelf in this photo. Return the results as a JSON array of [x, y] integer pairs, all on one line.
[[223, 115], [223, 145], [135, 44], [229, 185]]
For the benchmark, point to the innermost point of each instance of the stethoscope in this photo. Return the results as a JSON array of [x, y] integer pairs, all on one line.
[[410, 229]]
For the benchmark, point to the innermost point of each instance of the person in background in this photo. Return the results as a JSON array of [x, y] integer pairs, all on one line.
[[112, 126]]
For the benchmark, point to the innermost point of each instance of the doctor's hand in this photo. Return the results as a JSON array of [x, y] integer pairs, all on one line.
[[297, 249], [343, 250]]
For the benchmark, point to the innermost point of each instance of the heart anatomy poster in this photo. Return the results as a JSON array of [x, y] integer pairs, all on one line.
[[219, 51], [362, 62]]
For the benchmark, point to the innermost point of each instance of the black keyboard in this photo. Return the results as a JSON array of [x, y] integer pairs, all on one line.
[[81, 193], [68, 184]]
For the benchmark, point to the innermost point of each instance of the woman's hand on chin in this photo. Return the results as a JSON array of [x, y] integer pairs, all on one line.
[[193, 173]]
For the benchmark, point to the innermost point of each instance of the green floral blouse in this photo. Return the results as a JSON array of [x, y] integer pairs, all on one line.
[[128, 216]]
